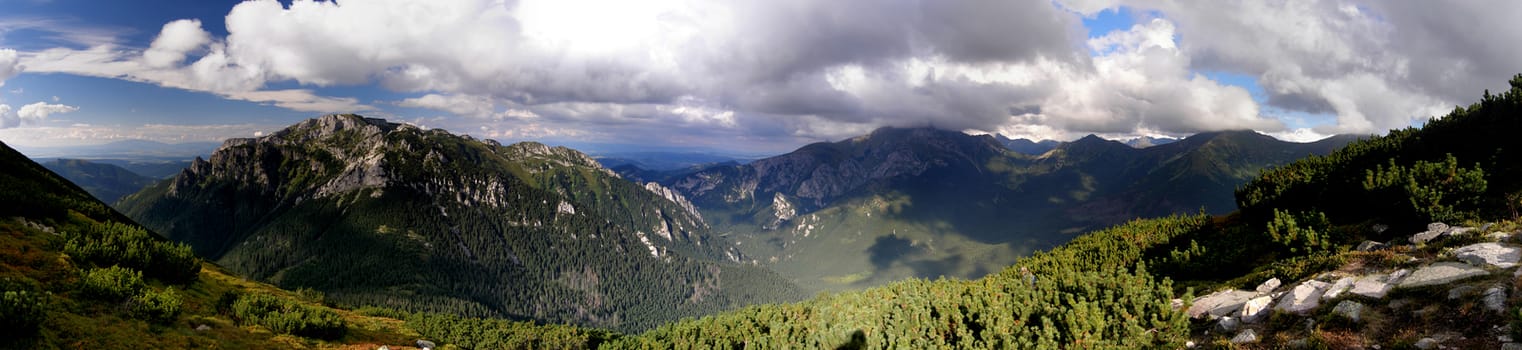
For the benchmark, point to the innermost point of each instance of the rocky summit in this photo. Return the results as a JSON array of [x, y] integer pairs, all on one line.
[[379, 213]]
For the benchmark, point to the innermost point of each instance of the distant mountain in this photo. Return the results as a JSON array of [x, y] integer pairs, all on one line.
[[104, 181], [379, 213], [923, 202], [136, 150], [1148, 141], [663, 161], [157, 169], [1026, 146]]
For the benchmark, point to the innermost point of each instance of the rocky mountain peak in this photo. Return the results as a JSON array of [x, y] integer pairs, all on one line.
[[560, 155]]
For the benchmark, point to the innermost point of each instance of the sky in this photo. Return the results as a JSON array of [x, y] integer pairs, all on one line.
[[747, 76]]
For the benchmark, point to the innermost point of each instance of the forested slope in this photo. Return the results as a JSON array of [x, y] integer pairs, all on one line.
[[386, 214]]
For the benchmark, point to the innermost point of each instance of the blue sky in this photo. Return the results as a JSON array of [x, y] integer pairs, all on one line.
[[743, 77]]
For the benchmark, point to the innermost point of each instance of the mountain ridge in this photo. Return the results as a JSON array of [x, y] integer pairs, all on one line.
[[431, 202]]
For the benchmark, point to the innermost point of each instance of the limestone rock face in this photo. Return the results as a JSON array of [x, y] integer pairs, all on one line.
[[1440, 273], [1493, 254]]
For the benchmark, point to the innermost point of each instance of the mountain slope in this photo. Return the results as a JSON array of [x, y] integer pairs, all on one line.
[[104, 181], [76, 274], [378, 213], [923, 203]]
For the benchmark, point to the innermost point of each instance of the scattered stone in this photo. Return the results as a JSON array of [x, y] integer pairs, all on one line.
[[1256, 309], [1459, 292], [1372, 286], [1220, 303], [1399, 303], [1495, 299], [1352, 310], [383, 347], [202, 328], [1189, 344], [1459, 231], [1434, 230], [1228, 324], [1499, 236], [1299, 344], [1437, 226], [1511, 346], [1399, 275], [1303, 298], [1494, 254], [1369, 246], [1440, 273], [1268, 286], [1486, 226], [1247, 336], [1427, 344], [1340, 286]]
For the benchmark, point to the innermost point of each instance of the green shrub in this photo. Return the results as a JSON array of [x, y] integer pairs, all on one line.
[[130, 246], [21, 308], [283, 315], [113, 284], [155, 306]]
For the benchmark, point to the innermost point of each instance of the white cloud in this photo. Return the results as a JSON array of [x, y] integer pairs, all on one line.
[[10, 65], [52, 136], [464, 105], [31, 114], [175, 40], [808, 70], [1375, 65]]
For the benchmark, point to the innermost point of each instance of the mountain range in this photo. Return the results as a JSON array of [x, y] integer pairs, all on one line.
[[922, 202], [106, 182], [378, 213]]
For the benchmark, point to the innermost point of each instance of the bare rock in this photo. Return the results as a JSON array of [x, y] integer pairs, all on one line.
[[1352, 310], [1440, 273], [1303, 298], [1369, 246], [1247, 336], [1495, 299], [1493, 254], [1434, 230], [1373, 286], [1427, 344], [1268, 286], [1220, 303], [1256, 309], [1342, 285], [1228, 324]]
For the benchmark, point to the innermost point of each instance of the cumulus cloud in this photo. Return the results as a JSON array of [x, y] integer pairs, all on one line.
[[1376, 65], [31, 114], [809, 70], [10, 65], [175, 40]]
